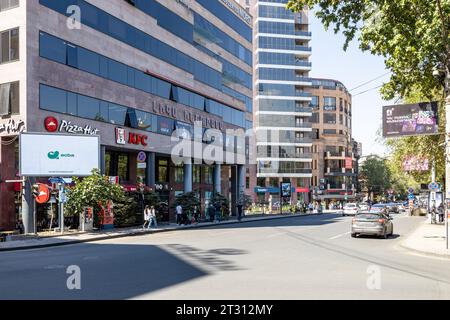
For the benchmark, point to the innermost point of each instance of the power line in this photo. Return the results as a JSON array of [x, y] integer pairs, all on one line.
[[357, 94], [370, 81]]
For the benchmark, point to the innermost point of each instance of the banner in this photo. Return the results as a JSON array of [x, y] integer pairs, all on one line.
[[410, 119], [414, 163]]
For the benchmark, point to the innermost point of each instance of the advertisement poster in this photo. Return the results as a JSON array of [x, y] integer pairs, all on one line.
[[286, 189], [410, 119]]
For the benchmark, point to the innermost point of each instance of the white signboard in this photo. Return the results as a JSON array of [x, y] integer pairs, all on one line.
[[49, 155]]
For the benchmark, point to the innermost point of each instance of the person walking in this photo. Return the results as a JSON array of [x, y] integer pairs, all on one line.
[[441, 212], [211, 212], [146, 217], [179, 212], [152, 217]]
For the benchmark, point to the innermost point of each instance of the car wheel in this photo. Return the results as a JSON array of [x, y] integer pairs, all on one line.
[[353, 235]]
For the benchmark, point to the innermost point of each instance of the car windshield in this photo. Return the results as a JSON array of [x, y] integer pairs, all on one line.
[[368, 216]]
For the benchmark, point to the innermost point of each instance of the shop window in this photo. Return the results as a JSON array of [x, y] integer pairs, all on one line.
[[179, 174], [196, 174], [209, 175], [9, 98], [163, 171]]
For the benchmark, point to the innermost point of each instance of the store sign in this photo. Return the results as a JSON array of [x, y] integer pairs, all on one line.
[[131, 138], [301, 190], [51, 155], [238, 10], [348, 163], [11, 127], [410, 119], [51, 124]]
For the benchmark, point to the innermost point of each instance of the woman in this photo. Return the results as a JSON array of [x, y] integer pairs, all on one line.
[[152, 218], [147, 220]]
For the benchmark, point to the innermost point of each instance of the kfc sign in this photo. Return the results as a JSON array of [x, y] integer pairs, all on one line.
[[122, 137], [51, 124]]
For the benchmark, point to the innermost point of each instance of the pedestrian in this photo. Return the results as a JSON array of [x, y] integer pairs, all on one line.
[[239, 211], [179, 212], [441, 212], [146, 217], [211, 213], [196, 214], [218, 214], [152, 218]]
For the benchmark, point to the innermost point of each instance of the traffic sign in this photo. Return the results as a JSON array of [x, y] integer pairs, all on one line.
[[411, 196], [42, 193], [434, 187], [411, 190], [142, 156], [56, 180]]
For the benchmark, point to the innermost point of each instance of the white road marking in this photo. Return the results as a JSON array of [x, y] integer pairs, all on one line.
[[340, 235]]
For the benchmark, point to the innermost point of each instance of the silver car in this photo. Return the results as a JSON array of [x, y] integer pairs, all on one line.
[[372, 223]]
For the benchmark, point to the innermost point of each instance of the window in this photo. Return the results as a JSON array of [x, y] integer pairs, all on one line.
[[8, 4], [89, 108], [163, 171], [261, 182], [196, 174], [117, 114], [179, 174], [329, 131], [9, 98], [122, 166], [209, 175], [144, 120], [9, 45], [53, 99], [329, 118], [329, 103]]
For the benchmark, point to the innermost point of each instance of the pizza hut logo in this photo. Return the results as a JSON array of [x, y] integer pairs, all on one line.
[[51, 124]]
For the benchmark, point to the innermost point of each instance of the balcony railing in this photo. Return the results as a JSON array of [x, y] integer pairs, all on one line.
[[279, 170], [287, 155]]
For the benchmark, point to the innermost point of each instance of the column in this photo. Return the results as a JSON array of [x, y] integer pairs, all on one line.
[[151, 170], [218, 178], [187, 177], [241, 179], [234, 189], [102, 160], [28, 204]]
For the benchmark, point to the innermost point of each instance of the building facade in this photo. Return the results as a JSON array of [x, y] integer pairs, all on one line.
[[282, 111], [131, 72], [335, 153]]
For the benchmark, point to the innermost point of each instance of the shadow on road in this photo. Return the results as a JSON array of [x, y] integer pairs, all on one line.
[[108, 271]]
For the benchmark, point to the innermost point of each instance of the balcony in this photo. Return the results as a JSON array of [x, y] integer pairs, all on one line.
[[333, 154], [303, 125], [287, 155], [284, 171], [303, 33]]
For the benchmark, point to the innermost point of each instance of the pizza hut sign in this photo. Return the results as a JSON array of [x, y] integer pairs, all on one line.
[[51, 124]]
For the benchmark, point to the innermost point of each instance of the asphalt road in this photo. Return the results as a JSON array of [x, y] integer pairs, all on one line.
[[295, 258]]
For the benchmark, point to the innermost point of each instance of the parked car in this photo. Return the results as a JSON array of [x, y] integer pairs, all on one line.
[[372, 223], [350, 209], [392, 207]]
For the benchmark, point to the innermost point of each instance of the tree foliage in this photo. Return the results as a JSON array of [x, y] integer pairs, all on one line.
[[412, 35], [375, 175], [188, 201], [89, 191]]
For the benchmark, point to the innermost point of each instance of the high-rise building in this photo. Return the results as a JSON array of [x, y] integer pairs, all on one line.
[[282, 111], [335, 153], [129, 68]]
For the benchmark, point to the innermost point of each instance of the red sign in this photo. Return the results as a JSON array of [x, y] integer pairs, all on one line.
[[43, 194], [137, 139], [51, 124], [348, 163], [301, 190]]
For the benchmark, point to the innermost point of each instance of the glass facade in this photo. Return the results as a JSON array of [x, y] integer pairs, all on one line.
[[283, 101]]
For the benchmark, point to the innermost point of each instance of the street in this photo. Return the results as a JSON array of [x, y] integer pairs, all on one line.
[[294, 258]]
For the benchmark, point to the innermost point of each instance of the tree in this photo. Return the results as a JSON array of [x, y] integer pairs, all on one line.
[[375, 175], [218, 200], [90, 191], [188, 201], [412, 35]]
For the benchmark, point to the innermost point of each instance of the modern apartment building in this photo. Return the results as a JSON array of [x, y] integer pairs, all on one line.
[[282, 111], [126, 69], [335, 153]]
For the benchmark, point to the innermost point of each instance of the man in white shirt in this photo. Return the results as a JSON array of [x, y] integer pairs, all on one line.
[[179, 211]]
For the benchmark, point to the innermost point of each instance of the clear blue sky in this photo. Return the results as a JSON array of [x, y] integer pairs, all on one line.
[[352, 67]]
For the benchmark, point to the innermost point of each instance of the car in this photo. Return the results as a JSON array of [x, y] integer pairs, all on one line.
[[372, 223], [350, 209], [379, 207], [363, 206], [392, 207]]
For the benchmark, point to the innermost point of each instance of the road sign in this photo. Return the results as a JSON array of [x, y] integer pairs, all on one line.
[[56, 180], [142, 156], [410, 196], [433, 187], [42, 194], [411, 190]]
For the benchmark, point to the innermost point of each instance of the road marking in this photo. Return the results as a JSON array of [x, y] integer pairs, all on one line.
[[340, 235]]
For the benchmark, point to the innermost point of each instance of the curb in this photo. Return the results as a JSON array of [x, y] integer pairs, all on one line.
[[134, 234], [426, 253]]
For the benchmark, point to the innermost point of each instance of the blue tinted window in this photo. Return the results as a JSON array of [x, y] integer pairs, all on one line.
[[88, 108], [88, 61], [144, 120], [52, 48], [72, 103], [117, 114], [165, 125], [117, 72], [53, 99]]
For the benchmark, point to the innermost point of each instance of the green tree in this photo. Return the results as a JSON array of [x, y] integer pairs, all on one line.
[[90, 191], [218, 200], [188, 201], [412, 35], [375, 175]]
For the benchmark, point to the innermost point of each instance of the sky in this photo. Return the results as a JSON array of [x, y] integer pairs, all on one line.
[[353, 68]]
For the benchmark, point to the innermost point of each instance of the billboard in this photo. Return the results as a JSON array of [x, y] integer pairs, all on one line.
[[413, 163], [348, 163], [286, 189], [410, 119], [49, 155]]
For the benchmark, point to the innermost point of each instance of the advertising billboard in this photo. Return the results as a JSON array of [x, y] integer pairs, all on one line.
[[49, 155], [410, 119], [413, 163], [286, 189]]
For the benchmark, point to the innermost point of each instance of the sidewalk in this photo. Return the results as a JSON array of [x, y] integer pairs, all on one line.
[[34, 242], [428, 239]]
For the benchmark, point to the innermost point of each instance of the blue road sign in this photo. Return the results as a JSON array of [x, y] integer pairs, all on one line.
[[433, 187], [56, 180], [142, 156], [410, 196]]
